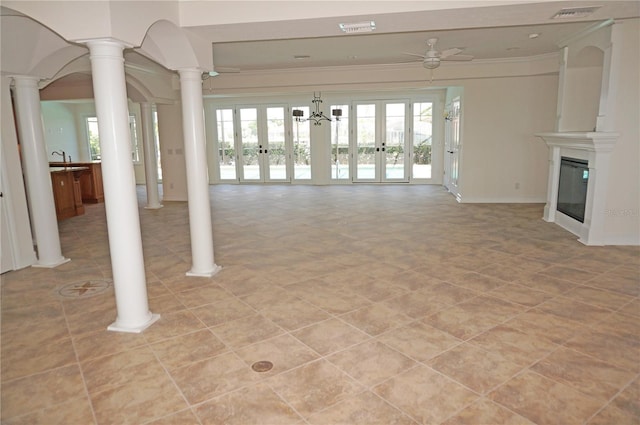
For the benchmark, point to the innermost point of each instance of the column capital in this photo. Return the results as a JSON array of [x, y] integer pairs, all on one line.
[[190, 74], [106, 41], [25, 80], [107, 48]]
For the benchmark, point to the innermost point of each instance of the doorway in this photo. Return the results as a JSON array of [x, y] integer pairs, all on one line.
[[381, 147], [452, 148], [262, 144]]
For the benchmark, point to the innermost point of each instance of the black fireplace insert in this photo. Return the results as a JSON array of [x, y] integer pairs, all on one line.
[[572, 187]]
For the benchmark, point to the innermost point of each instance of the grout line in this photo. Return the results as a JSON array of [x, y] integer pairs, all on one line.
[[79, 365]]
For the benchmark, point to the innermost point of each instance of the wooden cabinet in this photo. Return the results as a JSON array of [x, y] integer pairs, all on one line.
[[90, 181], [63, 194], [67, 191]]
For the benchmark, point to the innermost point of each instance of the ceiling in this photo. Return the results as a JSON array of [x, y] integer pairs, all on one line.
[[486, 33]]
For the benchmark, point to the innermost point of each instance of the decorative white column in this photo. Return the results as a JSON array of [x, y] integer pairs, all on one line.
[[37, 174], [150, 157], [123, 221], [13, 206], [197, 174]]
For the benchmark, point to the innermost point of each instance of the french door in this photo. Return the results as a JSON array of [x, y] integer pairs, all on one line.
[[452, 147], [381, 146], [262, 144]]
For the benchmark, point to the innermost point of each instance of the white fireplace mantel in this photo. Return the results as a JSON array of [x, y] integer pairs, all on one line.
[[595, 148]]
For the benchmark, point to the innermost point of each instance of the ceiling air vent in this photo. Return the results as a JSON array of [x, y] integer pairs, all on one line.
[[575, 12], [366, 26]]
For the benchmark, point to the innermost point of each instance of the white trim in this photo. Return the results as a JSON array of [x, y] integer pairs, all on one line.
[[118, 327], [395, 66], [629, 240], [500, 200]]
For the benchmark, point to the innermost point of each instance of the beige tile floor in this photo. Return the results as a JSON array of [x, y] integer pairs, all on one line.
[[375, 304]]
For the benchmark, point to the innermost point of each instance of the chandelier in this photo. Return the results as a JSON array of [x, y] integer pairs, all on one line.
[[317, 116]]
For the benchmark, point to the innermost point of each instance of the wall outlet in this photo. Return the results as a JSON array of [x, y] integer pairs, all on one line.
[[517, 185]]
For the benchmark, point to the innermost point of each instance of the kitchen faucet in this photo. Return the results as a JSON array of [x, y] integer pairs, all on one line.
[[61, 153]]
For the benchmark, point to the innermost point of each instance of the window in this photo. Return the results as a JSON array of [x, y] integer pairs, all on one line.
[[422, 140], [93, 137], [379, 138], [302, 147], [276, 144], [135, 148], [226, 149], [156, 139]]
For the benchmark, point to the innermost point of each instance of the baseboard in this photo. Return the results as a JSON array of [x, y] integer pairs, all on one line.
[[523, 200], [622, 240]]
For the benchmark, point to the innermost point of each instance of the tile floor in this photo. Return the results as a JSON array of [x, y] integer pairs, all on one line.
[[375, 304]]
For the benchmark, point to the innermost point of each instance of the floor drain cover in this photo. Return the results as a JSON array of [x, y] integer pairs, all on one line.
[[84, 288], [262, 366]]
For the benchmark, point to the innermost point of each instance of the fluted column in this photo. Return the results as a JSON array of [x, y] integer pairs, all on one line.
[[121, 204], [197, 174], [37, 174], [150, 157]]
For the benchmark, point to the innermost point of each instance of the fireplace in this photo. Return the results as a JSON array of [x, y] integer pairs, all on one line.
[[578, 182], [572, 187]]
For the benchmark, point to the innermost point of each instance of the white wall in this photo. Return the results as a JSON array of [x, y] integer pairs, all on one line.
[[60, 131], [501, 160], [582, 91], [622, 213]]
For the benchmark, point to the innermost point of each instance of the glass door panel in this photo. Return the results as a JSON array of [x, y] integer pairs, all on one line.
[[455, 141], [340, 144], [393, 147], [422, 140], [249, 144], [226, 147], [366, 133], [275, 151], [452, 147], [382, 152], [302, 147]]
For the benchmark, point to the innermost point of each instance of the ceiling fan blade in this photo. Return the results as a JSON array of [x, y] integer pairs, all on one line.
[[413, 54], [450, 52], [226, 70], [457, 58]]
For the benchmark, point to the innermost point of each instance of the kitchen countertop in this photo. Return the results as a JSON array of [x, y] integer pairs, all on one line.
[[62, 169]]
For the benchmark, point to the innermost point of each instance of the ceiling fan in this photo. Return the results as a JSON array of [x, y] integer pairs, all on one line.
[[214, 73], [432, 58]]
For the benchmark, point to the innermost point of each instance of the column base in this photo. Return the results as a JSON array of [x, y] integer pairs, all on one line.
[[57, 263], [115, 327], [153, 207], [211, 273]]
